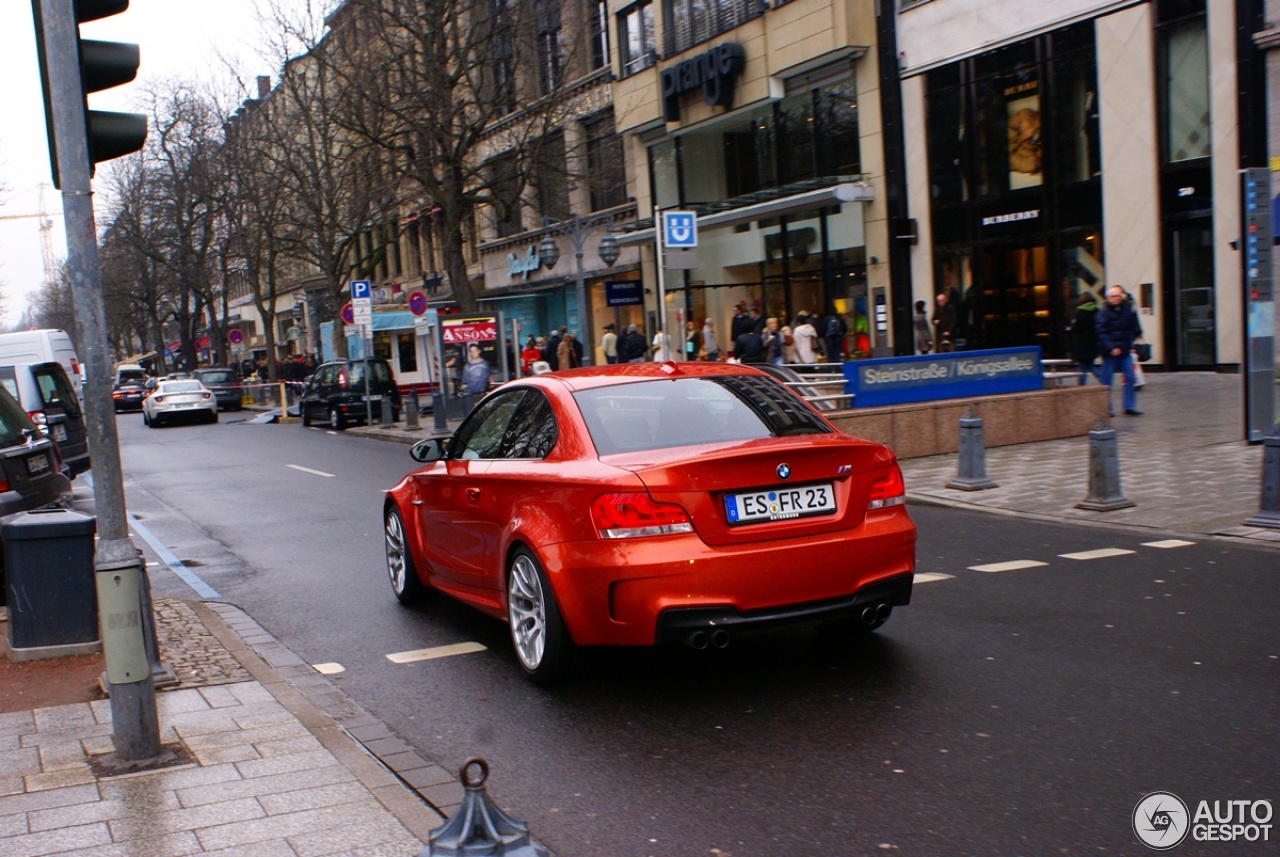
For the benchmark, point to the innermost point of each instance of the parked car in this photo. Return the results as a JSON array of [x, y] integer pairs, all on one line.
[[336, 392], [226, 387], [29, 467], [129, 395], [180, 399], [42, 346], [45, 392], [128, 372], [639, 504]]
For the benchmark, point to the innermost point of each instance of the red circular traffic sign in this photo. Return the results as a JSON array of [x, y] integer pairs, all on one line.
[[417, 302], [348, 314], [235, 337]]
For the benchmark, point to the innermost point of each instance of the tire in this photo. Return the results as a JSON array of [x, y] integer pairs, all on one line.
[[405, 584], [213, 418], [306, 416], [336, 421], [542, 643]]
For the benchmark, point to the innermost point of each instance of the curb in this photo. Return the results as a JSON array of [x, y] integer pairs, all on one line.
[[418, 792]]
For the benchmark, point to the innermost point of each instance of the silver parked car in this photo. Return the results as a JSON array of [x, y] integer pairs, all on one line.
[[183, 399]]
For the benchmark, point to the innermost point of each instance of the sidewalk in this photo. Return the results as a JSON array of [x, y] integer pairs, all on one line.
[[279, 762]]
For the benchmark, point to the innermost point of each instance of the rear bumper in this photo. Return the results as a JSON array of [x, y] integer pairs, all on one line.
[[636, 593]]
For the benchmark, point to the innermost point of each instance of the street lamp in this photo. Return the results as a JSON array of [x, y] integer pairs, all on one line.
[[576, 229]]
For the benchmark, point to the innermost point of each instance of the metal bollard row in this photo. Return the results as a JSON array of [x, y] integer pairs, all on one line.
[[1104, 473], [479, 827], [973, 455]]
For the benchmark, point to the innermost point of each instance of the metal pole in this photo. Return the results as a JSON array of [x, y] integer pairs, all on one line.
[[662, 279], [134, 722]]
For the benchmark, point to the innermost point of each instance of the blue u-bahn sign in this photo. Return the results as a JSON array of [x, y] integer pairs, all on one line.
[[925, 377]]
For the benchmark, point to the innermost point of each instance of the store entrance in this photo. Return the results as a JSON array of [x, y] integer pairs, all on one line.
[[1192, 298], [1014, 308]]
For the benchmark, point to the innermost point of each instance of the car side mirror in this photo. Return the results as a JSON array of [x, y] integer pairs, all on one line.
[[431, 449]]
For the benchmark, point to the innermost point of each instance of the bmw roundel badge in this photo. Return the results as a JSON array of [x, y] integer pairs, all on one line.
[[784, 471]]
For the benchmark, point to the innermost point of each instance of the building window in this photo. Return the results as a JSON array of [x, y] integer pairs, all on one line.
[[504, 56], [407, 351], [551, 178], [691, 22], [606, 175], [1184, 91], [636, 38], [598, 29], [550, 45], [504, 183]]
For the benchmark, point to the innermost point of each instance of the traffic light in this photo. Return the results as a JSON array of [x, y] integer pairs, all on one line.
[[102, 65]]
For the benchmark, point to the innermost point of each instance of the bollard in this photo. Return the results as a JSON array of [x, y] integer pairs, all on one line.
[[479, 827], [973, 455], [1269, 512], [411, 411], [388, 415], [1104, 473]]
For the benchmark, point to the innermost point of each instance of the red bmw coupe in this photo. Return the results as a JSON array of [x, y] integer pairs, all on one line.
[[636, 504]]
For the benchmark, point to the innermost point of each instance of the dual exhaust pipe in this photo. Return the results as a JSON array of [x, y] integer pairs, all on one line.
[[700, 640], [873, 616]]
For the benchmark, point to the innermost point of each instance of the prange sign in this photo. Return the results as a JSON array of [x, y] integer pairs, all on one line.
[[926, 377], [714, 72]]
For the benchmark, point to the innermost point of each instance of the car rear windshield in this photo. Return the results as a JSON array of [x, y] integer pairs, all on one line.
[[217, 377], [379, 373], [181, 387], [55, 389], [12, 421], [664, 413]]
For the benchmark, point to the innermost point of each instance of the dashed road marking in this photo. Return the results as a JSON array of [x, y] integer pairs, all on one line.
[[930, 576], [1168, 543], [437, 652], [1012, 565], [329, 669], [1100, 553], [309, 470]]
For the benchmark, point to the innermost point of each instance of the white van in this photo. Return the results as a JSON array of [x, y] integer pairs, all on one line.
[[42, 346]]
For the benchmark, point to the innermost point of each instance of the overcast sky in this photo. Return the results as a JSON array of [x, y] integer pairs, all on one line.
[[178, 39]]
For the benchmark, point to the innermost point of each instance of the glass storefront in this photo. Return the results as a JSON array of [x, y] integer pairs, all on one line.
[[1015, 178]]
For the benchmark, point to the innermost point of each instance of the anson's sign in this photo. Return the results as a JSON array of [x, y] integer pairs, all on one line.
[[714, 72]]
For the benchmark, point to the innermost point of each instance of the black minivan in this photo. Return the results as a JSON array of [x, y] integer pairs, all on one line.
[[336, 393], [44, 391]]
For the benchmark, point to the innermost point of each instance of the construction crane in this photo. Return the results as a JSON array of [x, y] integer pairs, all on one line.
[[46, 236]]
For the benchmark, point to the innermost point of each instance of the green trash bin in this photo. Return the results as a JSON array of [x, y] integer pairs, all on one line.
[[49, 584]]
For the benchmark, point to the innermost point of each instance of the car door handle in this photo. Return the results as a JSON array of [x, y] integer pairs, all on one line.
[[473, 493]]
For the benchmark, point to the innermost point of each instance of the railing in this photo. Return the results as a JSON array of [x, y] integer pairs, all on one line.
[[815, 383]]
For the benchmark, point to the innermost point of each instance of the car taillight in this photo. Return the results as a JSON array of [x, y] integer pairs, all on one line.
[[628, 516], [4, 484], [206, 395], [158, 398], [38, 418], [888, 490]]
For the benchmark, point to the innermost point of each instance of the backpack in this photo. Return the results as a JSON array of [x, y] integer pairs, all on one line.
[[833, 326]]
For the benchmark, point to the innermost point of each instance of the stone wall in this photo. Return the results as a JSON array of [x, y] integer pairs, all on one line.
[[932, 428]]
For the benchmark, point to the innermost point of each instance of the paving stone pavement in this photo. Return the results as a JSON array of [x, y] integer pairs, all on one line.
[[278, 762]]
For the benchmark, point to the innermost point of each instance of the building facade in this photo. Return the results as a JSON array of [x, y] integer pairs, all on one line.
[[1058, 148]]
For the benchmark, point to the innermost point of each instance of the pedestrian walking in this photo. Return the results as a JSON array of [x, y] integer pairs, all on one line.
[[1117, 326], [946, 319], [1084, 339], [692, 341], [806, 337], [710, 345], [661, 352], [631, 346], [920, 321], [609, 344], [772, 338]]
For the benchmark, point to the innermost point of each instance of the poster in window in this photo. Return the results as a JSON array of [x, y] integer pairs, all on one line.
[[1023, 106]]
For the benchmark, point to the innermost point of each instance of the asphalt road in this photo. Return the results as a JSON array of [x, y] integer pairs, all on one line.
[[1021, 709]]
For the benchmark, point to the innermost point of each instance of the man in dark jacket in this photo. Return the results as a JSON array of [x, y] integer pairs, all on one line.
[[1084, 339], [632, 346], [1117, 327], [749, 347]]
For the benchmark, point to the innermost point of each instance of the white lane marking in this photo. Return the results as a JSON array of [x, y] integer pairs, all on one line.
[[437, 652], [1168, 543], [329, 669], [930, 576], [1100, 553], [1013, 565], [309, 470]]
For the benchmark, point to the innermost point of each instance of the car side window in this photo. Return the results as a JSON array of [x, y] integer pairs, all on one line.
[[532, 430], [483, 432]]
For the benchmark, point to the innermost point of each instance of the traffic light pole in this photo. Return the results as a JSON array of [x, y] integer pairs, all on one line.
[[123, 602]]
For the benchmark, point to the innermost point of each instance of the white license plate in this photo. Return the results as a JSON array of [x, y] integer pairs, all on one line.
[[780, 504], [38, 464], [59, 433]]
